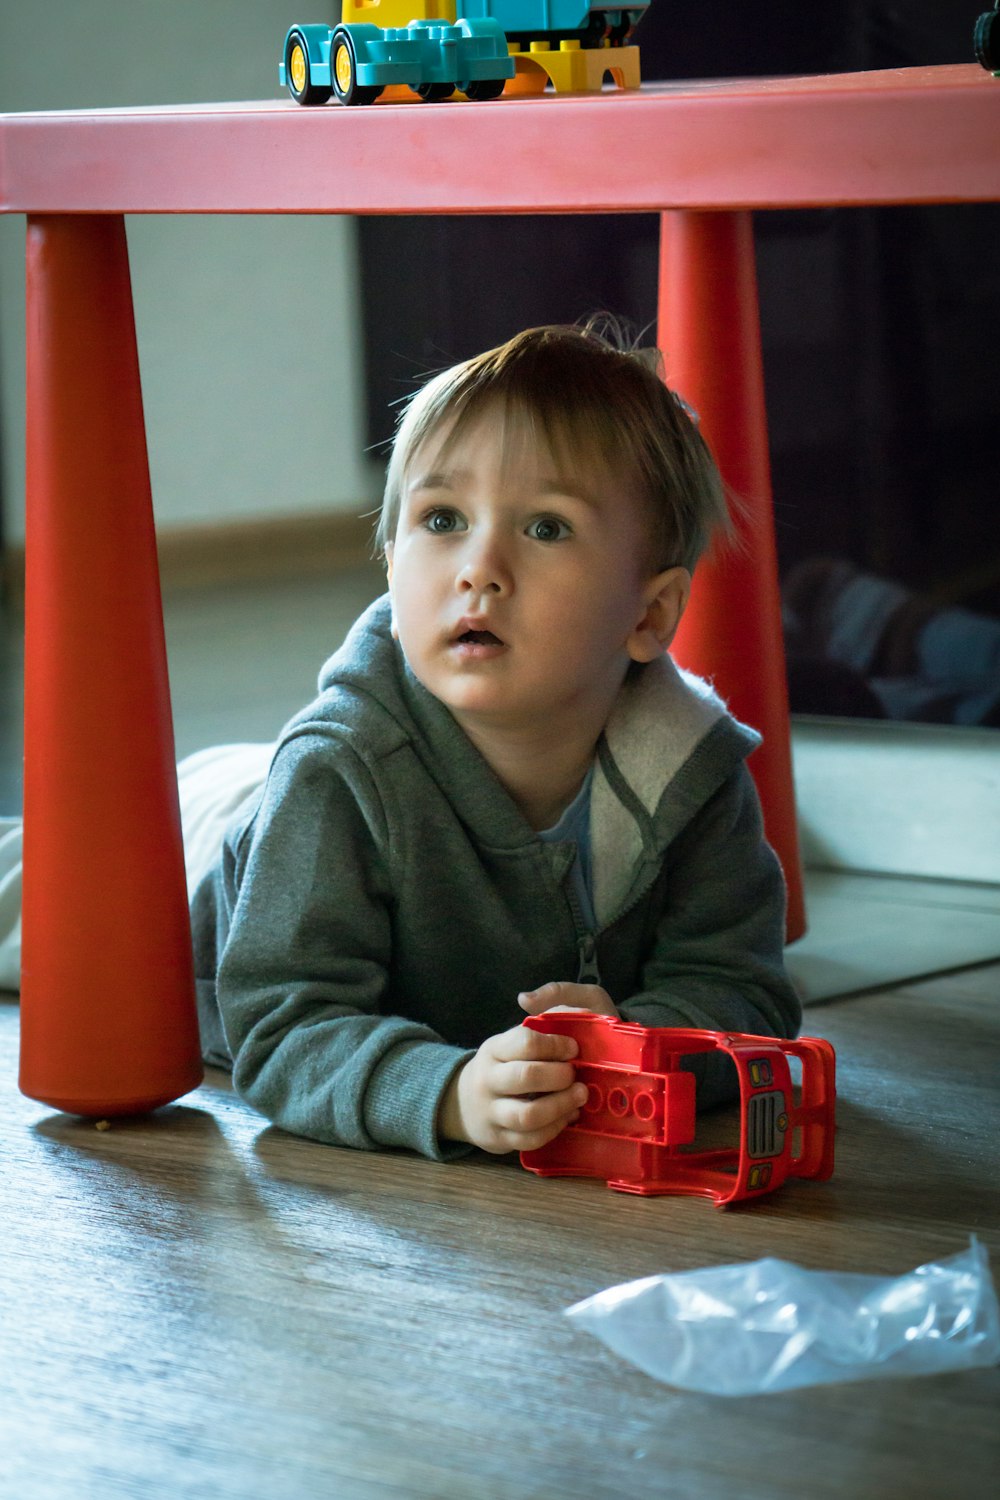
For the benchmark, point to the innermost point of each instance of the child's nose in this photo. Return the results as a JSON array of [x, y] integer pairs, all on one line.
[[485, 569]]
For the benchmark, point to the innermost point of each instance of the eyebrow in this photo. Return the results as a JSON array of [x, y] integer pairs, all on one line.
[[450, 479], [570, 488], [438, 479]]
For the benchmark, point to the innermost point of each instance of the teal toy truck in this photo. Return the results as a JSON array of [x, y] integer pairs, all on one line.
[[437, 46]]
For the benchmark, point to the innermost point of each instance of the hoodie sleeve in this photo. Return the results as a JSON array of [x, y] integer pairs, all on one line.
[[303, 967], [716, 960]]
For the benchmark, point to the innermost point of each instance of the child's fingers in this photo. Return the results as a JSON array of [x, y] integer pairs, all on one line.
[[537, 1007], [563, 995], [532, 1077], [532, 1140], [521, 1044], [542, 999], [568, 1010], [522, 1117]]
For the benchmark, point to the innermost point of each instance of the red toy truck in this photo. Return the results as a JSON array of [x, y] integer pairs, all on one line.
[[638, 1122]]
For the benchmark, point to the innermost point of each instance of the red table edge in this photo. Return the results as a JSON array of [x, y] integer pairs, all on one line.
[[801, 142]]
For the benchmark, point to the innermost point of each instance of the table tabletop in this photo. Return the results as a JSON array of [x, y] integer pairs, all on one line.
[[195, 1303], [906, 135]]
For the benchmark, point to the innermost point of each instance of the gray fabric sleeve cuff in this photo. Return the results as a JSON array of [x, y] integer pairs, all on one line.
[[404, 1095]]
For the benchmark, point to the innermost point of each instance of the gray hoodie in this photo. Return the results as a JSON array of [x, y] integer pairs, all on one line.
[[380, 902]]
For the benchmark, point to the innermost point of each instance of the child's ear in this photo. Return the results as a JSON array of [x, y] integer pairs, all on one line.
[[665, 598]]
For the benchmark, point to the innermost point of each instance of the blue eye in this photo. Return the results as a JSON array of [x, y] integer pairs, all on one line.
[[441, 522], [549, 529]]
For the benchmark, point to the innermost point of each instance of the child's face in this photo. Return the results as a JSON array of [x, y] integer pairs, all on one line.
[[521, 592]]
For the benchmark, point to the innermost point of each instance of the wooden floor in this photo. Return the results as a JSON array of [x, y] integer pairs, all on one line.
[[194, 1304]]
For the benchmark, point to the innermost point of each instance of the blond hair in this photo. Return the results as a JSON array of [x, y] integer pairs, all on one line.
[[591, 398]]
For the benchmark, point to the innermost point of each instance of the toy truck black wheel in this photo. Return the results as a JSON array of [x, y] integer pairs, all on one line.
[[987, 40], [344, 71], [432, 92], [595, 30], [485, 88], [298, 75]]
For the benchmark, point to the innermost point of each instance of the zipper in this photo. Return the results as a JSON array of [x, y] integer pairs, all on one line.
[[588, 971]]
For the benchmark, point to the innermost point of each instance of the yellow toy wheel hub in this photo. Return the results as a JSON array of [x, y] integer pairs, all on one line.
[[298, 68], [343, 65]]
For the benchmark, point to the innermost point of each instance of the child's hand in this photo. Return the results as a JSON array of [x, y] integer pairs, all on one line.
[[516, 1094], [560, 996]]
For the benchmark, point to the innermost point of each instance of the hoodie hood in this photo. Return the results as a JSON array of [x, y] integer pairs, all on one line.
[[669, 744]]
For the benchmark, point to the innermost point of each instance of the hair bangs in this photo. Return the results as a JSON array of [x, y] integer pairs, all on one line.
[[597, 406]]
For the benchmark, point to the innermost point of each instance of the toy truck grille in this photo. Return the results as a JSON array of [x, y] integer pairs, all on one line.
[[767, 1122]]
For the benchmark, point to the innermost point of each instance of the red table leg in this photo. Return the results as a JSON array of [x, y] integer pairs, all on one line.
[[108, 1022], [709, 332]]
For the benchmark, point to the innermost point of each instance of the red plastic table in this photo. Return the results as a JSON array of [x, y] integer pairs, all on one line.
[[103, 870]]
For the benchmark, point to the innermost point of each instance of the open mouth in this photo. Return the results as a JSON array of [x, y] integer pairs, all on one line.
[[479, 638]]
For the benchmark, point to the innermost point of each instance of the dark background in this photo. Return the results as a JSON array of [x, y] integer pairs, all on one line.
[[879, 326]]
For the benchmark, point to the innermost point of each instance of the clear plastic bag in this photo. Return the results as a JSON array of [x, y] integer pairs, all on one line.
[[770, 1325]]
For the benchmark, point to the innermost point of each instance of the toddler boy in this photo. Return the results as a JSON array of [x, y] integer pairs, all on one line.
[[506, 796]]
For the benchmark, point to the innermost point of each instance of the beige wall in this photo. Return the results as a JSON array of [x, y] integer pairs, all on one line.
[[248, 328]]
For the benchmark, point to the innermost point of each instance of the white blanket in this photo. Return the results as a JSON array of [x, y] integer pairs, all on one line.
[[211, 784]]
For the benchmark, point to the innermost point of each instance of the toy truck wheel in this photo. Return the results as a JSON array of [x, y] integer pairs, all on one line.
[[595, 30], [485, 88], [987, 40], [344, 71], [432, 92], [298, 75]]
